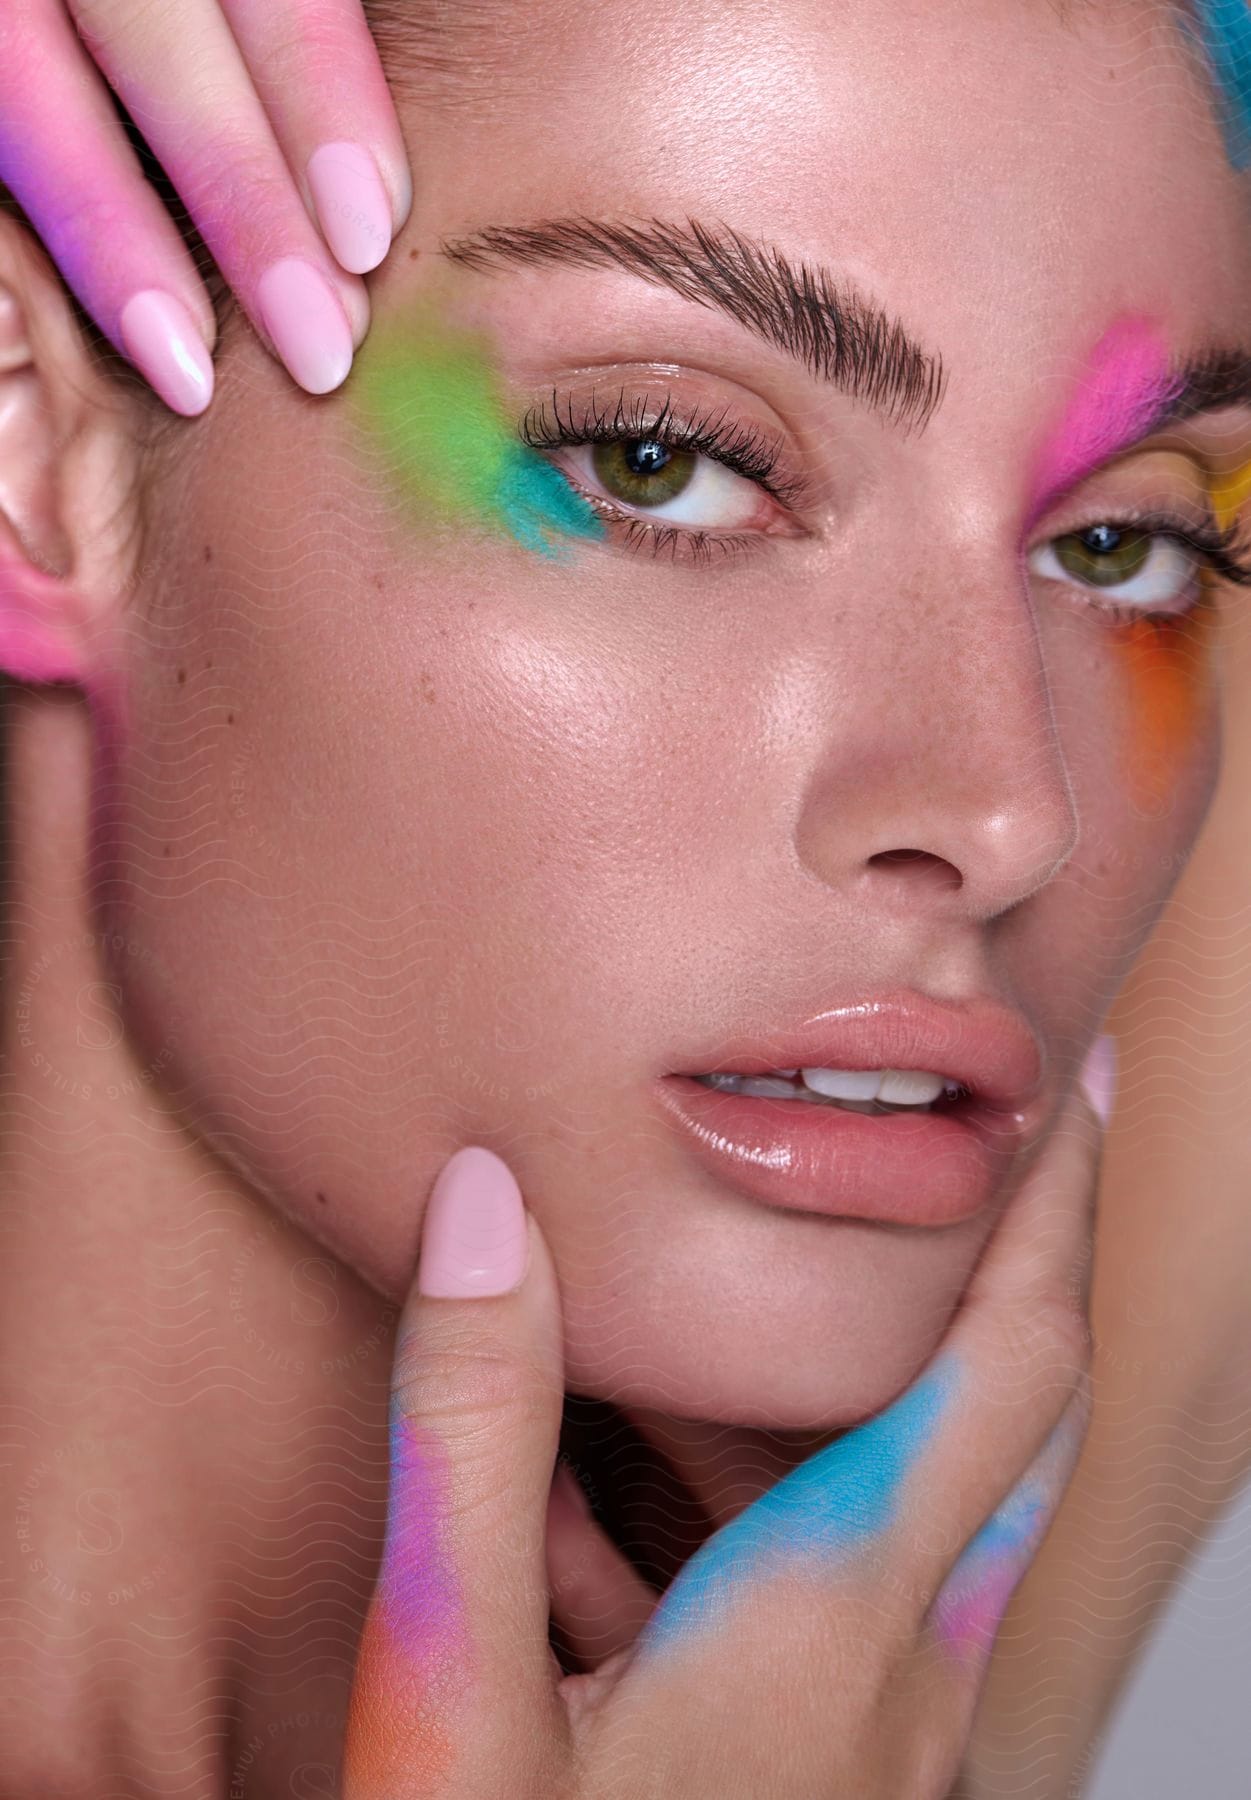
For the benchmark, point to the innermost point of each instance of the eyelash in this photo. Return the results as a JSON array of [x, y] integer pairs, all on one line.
[[751, 454], [745, 449], [1226, 552]]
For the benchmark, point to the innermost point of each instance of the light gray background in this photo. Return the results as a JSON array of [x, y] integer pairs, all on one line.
[[1182, 1730]]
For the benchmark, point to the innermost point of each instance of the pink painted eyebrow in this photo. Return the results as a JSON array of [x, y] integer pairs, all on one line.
[[1128, 389]]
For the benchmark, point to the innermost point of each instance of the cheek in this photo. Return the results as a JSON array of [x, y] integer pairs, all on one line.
[[1170, 690]]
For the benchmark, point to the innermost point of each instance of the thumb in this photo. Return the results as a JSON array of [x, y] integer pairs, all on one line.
[[454, 1666]]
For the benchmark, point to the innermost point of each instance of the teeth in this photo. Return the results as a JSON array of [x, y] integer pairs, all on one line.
[[844, 1084], [766, 1087], [859, 1090], [900, 1087], [910, 1087]]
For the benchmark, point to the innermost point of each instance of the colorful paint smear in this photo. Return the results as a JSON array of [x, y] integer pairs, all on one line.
[[971, 1604], [1223, 28], [1170, 677], [414, 1661], [1230, 494], [1170, 669], [829, 1506], [1127, 387], [430, 398], [970, 1608]]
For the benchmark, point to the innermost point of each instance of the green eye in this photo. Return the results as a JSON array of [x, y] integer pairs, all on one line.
[[643, 471], [1104, 556]]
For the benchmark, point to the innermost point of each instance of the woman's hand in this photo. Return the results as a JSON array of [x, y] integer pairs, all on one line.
[[831, 1638], [267, 115]]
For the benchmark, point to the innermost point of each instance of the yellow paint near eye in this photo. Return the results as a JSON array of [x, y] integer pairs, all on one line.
[[1230, 495]]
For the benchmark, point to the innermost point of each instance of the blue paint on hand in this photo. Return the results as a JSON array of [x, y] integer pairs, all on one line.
[[829, 1506]]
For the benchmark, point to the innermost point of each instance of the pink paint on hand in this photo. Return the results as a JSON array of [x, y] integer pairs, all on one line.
[[414, 1663], [1128, 385], [969, 1610]]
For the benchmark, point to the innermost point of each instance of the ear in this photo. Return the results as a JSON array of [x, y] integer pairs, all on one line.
[[69, 468]]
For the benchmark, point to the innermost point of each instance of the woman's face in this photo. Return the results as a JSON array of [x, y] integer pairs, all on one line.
[[423, 838]]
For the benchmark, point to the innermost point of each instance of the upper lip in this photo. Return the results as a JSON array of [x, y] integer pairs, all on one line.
[[979, 1042]]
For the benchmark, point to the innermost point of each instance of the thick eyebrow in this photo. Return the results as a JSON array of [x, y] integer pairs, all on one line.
[[834, 329], [1211, 381]]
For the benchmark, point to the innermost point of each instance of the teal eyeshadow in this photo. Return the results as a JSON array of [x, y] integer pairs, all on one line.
[[431, 402]]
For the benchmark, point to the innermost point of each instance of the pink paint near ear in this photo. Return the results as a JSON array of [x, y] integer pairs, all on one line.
[[37, 642], [1126, 387]]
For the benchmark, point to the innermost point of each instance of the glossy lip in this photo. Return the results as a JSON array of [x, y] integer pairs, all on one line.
[[911, 1169]]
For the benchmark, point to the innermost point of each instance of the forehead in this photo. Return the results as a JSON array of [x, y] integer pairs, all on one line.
[[1007, 177], [1042, 135]]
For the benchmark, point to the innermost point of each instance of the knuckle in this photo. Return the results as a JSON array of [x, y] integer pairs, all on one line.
[[84, 215], [849, 1629], [240, 181], [105, 26], [315, 42], [20, 35], [465, 1375], [1039, 1347]]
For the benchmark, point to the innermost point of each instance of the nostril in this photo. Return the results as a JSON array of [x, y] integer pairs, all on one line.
[[920, 864]]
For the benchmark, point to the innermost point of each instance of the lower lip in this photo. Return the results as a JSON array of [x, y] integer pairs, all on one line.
[[901, 1168]]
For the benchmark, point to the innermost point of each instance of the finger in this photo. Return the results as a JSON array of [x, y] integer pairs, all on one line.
[[599, 1600], [963, 1622], [315, 66], [209, 131], [65, 157], [1016, 1353], [454, 1675], [968, 1609]]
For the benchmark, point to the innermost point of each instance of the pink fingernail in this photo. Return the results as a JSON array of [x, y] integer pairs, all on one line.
[[162, 340], [310, 330], [475, 1240], [352, 204]]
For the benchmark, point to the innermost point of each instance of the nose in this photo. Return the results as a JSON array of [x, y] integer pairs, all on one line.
[[941, 780]]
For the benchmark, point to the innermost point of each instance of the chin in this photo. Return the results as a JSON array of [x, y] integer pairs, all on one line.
[[785, 1322]]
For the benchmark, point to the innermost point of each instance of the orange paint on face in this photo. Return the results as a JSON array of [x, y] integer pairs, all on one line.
[[1168, 669]]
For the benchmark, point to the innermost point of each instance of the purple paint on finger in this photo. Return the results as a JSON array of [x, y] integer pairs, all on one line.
[[418, 1593]]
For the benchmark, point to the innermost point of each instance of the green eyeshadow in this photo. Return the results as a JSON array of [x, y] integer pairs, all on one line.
[[430, 399]]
